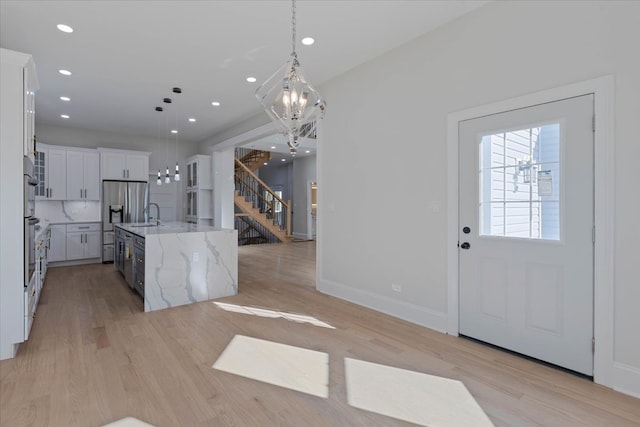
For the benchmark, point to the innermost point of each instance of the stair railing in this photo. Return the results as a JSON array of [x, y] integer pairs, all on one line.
[[248, 155], [262, 197], [251, 232]]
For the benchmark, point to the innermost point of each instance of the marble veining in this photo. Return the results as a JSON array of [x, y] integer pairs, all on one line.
[[60, 211], [183, 267]]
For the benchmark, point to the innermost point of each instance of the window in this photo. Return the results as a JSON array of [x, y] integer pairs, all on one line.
[[269, 197], [520, 183]]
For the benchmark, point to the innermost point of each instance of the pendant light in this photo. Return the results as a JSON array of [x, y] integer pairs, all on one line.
[[289, 100], [167, 179], [176, 177], [159, 109]]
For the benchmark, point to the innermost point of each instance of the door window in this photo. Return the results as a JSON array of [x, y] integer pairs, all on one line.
[[520, 183]]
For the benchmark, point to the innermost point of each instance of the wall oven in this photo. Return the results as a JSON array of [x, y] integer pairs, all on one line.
[[30, 221]]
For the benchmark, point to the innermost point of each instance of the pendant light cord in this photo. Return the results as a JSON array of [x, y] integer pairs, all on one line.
[[293, 29]]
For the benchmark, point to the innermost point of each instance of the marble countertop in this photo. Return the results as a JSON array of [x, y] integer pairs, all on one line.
[[173, 227]]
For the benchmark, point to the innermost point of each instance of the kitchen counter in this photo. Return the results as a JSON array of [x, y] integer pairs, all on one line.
[[147, 229], [186, 263]]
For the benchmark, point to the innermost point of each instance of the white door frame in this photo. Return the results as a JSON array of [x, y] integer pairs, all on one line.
[[603, 90], [309, 219]]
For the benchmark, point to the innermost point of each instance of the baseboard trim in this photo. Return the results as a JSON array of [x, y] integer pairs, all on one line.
[[302, 236], [626, 379], [410, 312]]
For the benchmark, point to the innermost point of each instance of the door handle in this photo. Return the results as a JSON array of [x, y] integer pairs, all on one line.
[[465, 245]]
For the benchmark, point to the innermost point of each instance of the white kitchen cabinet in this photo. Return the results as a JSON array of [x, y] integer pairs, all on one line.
[[83, 241], [199, 172], [199, 194], [15, 141], [58, 243], [31, 85], [124, 165], [51, 172], [83, 175]]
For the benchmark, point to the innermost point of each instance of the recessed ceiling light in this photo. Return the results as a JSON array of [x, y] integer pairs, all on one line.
[[65, 72], [283, 160], [65, 98], [307, 151], [251, 79], [65, 28], [174, 131], [308, 41], [64, 116], [191, 119], [265, 163], [215, 103], [273, 147]]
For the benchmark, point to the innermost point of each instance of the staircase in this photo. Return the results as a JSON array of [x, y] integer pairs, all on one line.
[[263, 216], [252, 159]]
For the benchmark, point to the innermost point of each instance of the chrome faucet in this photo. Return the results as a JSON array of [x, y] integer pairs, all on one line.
[[146, 209]]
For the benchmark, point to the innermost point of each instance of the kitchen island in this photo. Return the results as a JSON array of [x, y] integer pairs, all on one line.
[[177, 263]]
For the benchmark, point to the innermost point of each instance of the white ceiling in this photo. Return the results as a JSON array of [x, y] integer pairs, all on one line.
[[126, 56]]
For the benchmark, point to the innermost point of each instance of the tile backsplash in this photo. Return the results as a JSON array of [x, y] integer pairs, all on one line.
[[68, 211]]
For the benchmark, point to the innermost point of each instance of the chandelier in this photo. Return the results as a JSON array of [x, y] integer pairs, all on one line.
[[289, 100]]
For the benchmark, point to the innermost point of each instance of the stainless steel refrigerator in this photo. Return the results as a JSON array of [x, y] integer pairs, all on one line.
[[122, 201]]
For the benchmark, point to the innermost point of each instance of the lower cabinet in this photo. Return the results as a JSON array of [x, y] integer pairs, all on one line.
[[138, 268], [58, 243], [83, 241]]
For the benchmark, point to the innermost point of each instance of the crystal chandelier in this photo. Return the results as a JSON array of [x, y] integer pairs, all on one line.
[[289, 100]]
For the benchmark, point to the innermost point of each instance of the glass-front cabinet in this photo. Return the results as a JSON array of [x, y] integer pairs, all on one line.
[[50, 168], [199, 193]]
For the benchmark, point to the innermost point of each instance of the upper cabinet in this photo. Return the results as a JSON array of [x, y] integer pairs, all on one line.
[[199, 172], [124, 165], [31, 85], [199, 194], [51, 172], [83, 175]]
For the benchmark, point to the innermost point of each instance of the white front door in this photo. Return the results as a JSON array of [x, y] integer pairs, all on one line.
[[526, 231]]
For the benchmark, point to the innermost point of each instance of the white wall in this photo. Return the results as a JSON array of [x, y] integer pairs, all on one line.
[[73, 137], [384, 138], [304, 171]]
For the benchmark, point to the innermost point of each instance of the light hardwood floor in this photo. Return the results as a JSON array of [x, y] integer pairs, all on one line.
[[94, 357]]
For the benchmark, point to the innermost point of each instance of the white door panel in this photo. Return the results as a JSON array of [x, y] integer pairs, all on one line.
[[526, 196]]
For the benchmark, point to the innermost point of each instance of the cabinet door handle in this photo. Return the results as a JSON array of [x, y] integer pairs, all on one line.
[[81, 193], [84, 228], [127, 173]]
